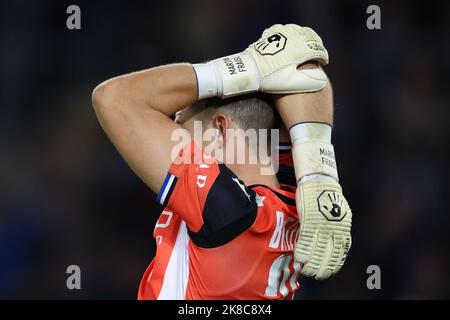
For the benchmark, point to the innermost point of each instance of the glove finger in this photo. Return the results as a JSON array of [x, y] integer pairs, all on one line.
[[323, 274], [313, 41], [307, 33], [311, 35], [306, 80], [319, 256], [325, 270], [343, 254], [305, 247], [346, 242], [308, 270], [294, 27], [272, 29]]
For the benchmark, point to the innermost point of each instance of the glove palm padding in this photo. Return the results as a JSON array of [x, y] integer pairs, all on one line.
[[284, 45], [325, 224], [278, 53]]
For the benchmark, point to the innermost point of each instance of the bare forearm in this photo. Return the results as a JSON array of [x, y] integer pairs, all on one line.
[[306, 107], [309, 117], [166, 89]]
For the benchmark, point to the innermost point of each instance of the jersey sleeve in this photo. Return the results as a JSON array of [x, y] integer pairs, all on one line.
[[286, 173], [214, 203]]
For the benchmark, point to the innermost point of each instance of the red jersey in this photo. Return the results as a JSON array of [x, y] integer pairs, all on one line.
[[220, 239]]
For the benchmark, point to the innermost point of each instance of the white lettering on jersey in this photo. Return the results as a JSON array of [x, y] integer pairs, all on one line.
[[276, 237], [281, 275], [284, 237]]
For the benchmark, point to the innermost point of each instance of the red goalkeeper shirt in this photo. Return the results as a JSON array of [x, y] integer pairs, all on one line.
[[220, 239]]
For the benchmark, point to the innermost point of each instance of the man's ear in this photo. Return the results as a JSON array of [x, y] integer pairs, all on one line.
[[222, 123]]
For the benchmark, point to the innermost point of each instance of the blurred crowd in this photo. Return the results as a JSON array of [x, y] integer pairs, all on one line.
[[66, 196]]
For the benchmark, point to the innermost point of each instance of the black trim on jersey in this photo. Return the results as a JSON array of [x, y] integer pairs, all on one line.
[[282, 197], [228, 211], [286, 175]]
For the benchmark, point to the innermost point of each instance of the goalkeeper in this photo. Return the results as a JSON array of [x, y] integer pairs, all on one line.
[[229, 229]]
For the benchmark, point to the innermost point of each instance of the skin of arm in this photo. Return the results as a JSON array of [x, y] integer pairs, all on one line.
[[135, 109], [306, 107], [284, 134]]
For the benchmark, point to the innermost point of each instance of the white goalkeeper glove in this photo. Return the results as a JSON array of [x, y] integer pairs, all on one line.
[[325, 216], [268, 65]]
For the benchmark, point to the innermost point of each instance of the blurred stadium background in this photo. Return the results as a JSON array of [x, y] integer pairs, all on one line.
[[66, 197]]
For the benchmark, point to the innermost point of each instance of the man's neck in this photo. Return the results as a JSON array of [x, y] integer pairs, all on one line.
[[253, 174]]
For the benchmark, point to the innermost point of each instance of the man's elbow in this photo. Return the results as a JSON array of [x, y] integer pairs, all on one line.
[[105, 94]]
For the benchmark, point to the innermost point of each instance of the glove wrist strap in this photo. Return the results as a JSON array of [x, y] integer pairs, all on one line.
[[238, 73], [312, 151], [208, 84]]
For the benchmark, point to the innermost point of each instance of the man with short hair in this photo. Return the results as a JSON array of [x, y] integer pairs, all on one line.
[[230, 229]]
